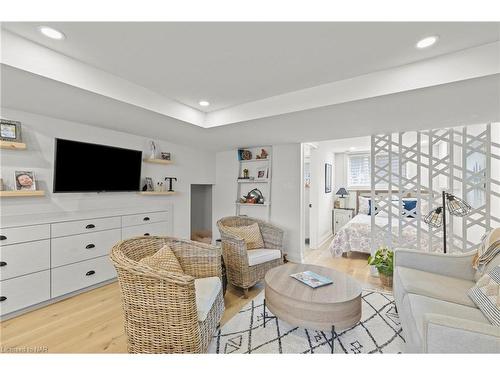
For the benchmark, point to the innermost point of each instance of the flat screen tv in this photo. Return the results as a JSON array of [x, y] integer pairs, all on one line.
[[87, 167]]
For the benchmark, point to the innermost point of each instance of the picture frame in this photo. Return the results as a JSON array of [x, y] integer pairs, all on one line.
[[24, 181], [149, 184], [10, 130], [165, 155], [328, 178], [262, 173]]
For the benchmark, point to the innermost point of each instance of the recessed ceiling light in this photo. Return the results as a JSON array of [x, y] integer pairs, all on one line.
[[352, 148], [427, 42], [51, 33], [204, 103]]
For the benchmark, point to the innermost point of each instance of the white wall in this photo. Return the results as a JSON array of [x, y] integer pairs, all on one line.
[[190, 166], [285, 192], [201, 207]]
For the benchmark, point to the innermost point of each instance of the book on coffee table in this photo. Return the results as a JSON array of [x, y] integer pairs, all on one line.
[[312, 279]]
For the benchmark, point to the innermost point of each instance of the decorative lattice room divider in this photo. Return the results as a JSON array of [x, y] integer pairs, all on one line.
[[421, 164]]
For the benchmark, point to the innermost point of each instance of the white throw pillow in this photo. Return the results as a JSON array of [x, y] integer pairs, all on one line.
[[364, 205]]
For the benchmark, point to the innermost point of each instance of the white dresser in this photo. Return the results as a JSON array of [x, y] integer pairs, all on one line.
[[54, 256], [341, 216]]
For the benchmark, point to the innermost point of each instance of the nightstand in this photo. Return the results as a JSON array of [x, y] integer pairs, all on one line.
[[340, 217]]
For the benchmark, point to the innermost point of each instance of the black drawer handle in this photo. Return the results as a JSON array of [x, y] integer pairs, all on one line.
[[3, 298], [3, 264], [90, 226], [90, 246], [2, 237], [146, 219], [146, 234], [90, 273]]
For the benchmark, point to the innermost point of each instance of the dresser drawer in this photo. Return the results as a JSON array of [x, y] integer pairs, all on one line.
[[13, 235], [85, 226], [154, 229], [72, 249], [24, 291], [24, 258], [150, 217], [67, 279]]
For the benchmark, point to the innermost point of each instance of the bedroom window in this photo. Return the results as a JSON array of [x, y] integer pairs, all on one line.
[[359, 168]]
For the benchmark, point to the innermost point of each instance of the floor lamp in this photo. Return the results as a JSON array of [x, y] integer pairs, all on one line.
[[456, 207]]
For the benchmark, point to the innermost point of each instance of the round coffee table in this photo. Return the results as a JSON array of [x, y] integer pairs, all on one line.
[[329, 307]]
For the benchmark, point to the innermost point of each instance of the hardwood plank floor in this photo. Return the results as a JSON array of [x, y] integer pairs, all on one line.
[[92, 322]]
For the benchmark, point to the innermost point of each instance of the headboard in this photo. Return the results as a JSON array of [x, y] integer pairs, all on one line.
[[368, 194]]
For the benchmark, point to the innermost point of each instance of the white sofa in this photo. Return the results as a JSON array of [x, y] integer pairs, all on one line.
[[436, 314]]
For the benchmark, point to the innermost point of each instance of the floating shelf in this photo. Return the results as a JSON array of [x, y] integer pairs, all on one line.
[[158, 161], [253, 204], [254, 160], [12, 145], [157, 192], [261, 181], [22, 193]]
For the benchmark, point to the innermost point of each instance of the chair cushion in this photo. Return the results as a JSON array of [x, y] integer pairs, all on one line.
[[260, 256], [206, 290], [433, 285], [488, 255], [249, 233], [163, 259], [486, 295]]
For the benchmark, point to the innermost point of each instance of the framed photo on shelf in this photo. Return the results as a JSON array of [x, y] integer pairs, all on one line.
[[262, 173], [10, 130], [149, 184], [25, 180]]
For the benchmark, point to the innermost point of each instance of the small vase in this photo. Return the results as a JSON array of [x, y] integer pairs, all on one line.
[[386, 280]]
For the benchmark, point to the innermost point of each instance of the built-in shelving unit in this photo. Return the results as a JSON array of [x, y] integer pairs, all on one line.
[[264, 181], [22, 193], [157, 192], [158, 161], [12, 145]]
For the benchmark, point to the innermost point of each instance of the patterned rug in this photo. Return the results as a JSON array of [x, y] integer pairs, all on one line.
[[379, 331]]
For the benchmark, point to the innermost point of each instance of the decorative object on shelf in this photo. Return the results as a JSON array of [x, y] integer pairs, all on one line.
[[170, 182], [165, 155], [149, 184], [254, 196], [262, 173], [245, 173], [10, 130], [342, 191], [456, 207], [153, 150], [1, 184], [245, 154], [328, 178], [160, 186], [383, 261], [263, 154], [25, 180]]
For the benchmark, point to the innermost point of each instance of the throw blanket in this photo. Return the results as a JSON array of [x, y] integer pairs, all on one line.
[[489, 248]]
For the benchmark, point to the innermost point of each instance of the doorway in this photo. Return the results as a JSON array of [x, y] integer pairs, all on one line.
[[201, 213]]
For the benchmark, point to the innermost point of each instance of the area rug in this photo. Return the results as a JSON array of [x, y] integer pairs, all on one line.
[[379, 331]]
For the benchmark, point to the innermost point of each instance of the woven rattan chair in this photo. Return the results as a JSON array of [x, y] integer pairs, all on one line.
[[160, 307], [236, 256]]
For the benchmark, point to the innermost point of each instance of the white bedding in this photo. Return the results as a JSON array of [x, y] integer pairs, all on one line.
[[356, 235]]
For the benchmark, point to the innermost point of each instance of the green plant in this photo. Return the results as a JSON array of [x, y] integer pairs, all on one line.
[[383, 261]]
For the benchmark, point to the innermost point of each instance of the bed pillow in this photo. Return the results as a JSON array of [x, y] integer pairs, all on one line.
[[486, 295], [364, 205], [164, 259], [409, 205], [370, 211], [250, 234]]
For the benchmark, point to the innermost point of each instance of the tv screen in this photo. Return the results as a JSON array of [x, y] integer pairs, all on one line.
[[88, 167]]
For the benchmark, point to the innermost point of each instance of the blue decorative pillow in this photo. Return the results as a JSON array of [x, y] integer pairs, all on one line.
[[370, 208], [409, 206]]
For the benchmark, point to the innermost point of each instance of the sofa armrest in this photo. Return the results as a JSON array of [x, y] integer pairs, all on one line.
[[446, 334], [453, 265]]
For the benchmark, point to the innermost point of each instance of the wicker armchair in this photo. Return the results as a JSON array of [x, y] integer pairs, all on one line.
[[160, 307], [235, 253]]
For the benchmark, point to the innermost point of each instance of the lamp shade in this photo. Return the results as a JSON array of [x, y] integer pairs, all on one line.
[[435, 218], [457, 206], [342, 191]]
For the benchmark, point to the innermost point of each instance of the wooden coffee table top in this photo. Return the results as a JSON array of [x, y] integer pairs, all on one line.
[[343, 289]]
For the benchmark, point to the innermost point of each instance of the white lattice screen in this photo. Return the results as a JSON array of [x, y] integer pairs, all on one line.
[[464, 161]]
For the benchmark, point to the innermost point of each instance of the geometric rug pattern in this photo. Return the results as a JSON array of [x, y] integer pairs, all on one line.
[[379, 331]]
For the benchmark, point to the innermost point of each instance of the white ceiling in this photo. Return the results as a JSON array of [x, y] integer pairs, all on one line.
[[234, 63]]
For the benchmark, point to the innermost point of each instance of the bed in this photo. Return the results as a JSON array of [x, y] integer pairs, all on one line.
[[356, 235]]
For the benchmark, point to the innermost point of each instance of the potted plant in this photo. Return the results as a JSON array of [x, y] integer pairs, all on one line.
[[383, 261]]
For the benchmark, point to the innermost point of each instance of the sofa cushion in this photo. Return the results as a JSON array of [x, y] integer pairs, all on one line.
[[433, 285], [486, 295], [249, 233], [260, 256], [488, 255], [163, 259], [421, 305], [206, 290]]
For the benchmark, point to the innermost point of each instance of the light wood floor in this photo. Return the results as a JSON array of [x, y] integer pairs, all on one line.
[[92, 322]]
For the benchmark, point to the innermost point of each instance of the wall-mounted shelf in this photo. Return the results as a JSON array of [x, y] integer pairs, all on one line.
[[254, 160], [262, 181], [253, 204], [22, 193], [157, 192], [12, 145], [158, 161]]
